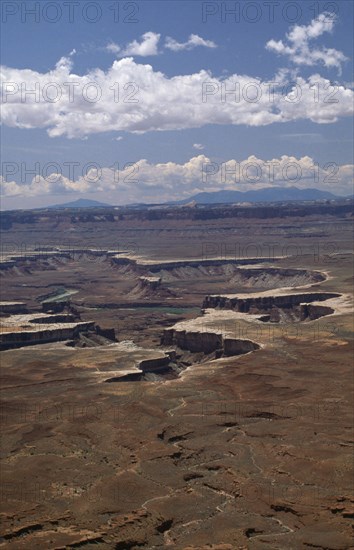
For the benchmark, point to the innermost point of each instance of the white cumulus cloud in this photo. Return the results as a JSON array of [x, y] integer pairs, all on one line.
[[171, 181], [193, 41], [133, 97], [147, 46], [298, 47]]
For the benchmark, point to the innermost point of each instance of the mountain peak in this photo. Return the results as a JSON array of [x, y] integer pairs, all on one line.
[[266, 194], [80, 203]]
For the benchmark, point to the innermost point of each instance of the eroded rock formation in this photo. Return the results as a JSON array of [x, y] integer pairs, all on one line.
[[207, 342], [41, 328], [289, 307], [12, 307], [49, 333]]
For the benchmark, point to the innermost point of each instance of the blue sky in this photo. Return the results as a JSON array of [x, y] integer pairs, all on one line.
[[178, 135]]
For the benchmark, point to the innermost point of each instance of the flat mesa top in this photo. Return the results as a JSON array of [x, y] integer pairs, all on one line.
[[39, 328], [143, 260]]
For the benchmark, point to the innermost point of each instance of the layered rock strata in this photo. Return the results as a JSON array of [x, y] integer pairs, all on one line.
[[207, 342]]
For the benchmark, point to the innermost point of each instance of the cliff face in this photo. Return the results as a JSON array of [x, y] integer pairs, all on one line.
[[41, 328], [151, 283], [234, 276], [64, 318], [195, 342], [43, 335], [108, 333], [207, 342], [108, 215], [13, 307], [154, 365], [233, 346], [290, 306], [150, 288], [314, 311]]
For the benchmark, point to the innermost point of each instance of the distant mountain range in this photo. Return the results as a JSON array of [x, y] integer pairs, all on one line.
[[80, 203], [270, 194]]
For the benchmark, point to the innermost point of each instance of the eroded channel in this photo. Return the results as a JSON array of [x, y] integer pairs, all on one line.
[[261, 292]]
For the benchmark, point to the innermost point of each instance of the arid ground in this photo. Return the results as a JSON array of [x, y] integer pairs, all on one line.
[[239, 437]]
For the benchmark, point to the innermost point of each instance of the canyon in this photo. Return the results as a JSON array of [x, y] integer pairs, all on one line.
[[177, 378]]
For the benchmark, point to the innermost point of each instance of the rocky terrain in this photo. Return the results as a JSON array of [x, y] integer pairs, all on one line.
[[20, 330], [207, 401]]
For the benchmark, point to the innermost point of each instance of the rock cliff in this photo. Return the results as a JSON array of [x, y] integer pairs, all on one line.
[[290, 307], [207, 342]]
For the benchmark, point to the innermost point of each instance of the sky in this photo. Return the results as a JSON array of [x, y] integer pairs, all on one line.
[[150, 101]]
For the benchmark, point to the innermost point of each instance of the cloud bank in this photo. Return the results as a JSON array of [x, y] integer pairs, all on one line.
[[133, 97], [173, 181]]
